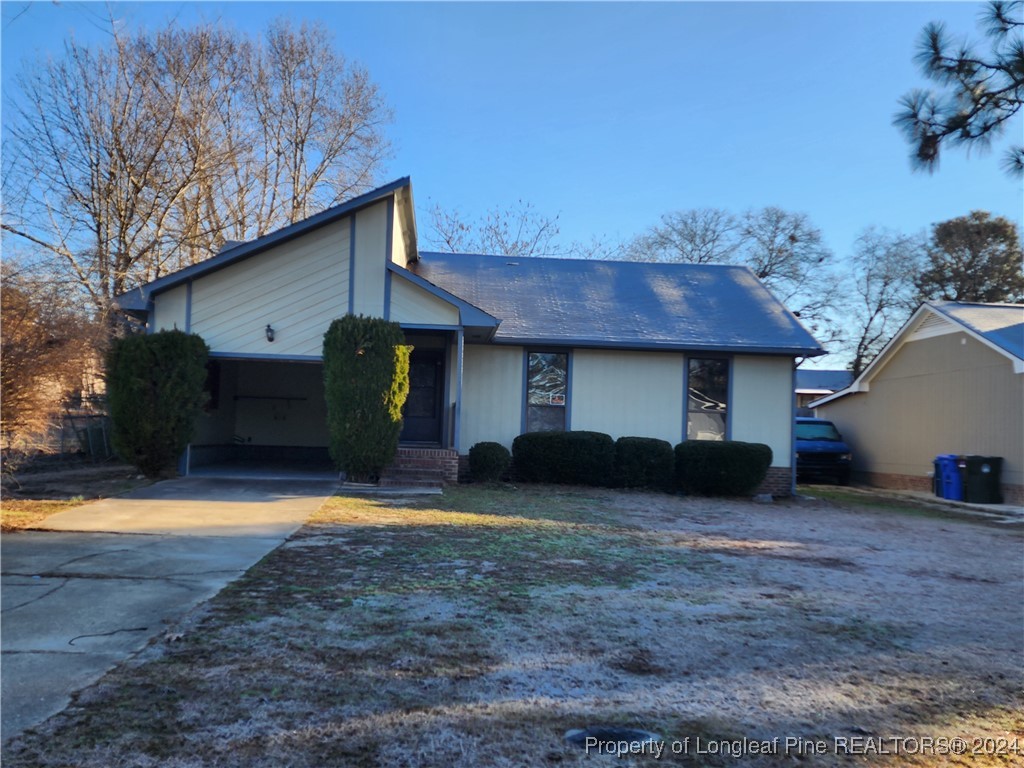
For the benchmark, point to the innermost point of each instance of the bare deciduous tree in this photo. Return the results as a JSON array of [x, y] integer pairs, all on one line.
[[519, 230], [883, 264], [696, 236], [783, 249], [145, 155]]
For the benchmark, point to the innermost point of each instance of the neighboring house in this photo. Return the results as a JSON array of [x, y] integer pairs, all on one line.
[[502, 345], [950, 382], [813, 384]]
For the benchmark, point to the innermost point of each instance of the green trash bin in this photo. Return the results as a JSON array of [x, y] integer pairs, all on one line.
[[982, 479]]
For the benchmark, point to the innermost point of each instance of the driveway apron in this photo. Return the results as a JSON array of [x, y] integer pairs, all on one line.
[[105, 578]]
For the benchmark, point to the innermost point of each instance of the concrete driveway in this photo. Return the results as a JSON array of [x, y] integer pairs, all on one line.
[[107, 577]]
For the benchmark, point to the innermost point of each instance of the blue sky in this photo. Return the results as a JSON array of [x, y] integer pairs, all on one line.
[[611, 114]]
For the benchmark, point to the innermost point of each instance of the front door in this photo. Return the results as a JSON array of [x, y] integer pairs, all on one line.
[[422, 412]]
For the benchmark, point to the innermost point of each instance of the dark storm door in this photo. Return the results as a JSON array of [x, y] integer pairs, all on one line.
[[422, 412]]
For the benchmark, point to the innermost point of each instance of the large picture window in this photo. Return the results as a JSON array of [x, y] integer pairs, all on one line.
[[708, 398], [547, 386]]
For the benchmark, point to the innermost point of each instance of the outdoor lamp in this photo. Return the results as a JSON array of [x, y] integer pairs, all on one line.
[[270, 333]]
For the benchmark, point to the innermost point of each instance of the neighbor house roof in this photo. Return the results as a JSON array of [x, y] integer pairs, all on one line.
[[579, 302], [137, 299], [998, 326], [1002, 325], [815, 381]]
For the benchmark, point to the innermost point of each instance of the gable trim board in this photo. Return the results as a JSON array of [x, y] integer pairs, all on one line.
[[627, 329]]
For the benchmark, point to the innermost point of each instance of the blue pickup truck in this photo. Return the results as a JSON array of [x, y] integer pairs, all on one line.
[[821, 453]]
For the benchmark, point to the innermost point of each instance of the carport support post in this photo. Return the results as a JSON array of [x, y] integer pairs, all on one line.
[[461, 347]]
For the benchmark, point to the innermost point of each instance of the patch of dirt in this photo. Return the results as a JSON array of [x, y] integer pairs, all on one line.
[[475, 629]]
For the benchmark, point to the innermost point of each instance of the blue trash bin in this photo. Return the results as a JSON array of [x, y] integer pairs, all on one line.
[[948, 480]]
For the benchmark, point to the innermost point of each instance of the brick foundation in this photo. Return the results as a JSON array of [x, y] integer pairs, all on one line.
[[778, 482], [1012, 494]]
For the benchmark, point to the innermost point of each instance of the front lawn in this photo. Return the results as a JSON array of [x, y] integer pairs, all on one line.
[[476, 628]]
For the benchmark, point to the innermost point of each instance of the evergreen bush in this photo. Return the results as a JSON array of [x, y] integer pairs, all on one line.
[[366, 382], [578, 458], [721, 468], [489, 462], [155, 392], [644, 462]]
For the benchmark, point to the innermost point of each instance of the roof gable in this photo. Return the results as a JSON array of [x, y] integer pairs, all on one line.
[[997, 326], [579, 302], [137, 299]]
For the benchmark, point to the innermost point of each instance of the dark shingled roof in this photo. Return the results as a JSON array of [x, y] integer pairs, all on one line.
[[822, 380], [620, 304]]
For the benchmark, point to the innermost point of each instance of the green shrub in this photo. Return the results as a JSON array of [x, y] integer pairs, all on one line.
[[578, 458], [489, 461], [155, 392], [366, 382], [721, 468], [644, 462]]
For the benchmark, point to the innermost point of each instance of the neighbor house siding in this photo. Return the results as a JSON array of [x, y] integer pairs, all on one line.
[[297, 288], [371, 259], [761, 408], [170, 308], [628, 393], [412, 305], [492, 395], [945, 394]]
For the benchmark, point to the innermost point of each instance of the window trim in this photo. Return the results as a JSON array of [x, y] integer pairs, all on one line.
[[527, 351], [728, 391]]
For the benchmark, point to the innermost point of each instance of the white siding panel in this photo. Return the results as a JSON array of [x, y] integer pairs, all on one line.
[[762, 404], [411, 304], [169, 309], [371, 260], [492, 395], [628, 394], [297, 288]]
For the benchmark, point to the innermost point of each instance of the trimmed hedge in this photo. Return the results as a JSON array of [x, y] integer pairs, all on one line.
[[644, 462], [576, 458], [366, 382], [155, 392], [721, 468], [489, 462]]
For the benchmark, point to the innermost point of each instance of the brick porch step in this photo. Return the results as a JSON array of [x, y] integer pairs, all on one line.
[[422, 468]]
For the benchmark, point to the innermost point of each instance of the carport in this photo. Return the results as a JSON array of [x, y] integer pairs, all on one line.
[[263, 417]]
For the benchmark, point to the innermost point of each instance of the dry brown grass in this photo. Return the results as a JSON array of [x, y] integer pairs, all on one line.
[[21, 514], [476, 628]]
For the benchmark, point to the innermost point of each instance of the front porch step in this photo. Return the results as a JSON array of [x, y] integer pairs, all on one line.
[[422, 468]]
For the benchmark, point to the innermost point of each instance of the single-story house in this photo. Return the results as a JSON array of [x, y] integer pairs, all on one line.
[[814, 383], [951, 381], [502, 345]]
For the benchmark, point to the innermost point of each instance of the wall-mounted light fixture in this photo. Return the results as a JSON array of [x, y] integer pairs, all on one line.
[[270, 333]]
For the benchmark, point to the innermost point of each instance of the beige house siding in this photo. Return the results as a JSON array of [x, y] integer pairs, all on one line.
[[170, 310], [492, 395], [628, 393], [370, 263], [297, 288], [944, 394], [415, 306], [762, 404]]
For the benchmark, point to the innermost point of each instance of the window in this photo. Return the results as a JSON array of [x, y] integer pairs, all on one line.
[[547, 385], [708, 397]]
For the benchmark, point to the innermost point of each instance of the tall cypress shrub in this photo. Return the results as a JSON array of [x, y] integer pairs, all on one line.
[[366, 382], [155, 392]]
